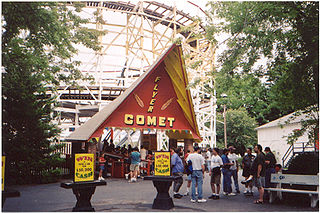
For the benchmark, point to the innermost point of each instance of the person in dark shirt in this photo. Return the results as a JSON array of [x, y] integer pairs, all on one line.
[[226, 182], [246, 172], [270, 166], [259, 172], [177, 170]]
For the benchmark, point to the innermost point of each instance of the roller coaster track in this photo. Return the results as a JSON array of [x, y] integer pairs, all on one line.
[[147, 29]]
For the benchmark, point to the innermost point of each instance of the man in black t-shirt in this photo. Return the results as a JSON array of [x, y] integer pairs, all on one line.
[[259, 172], [246, 172], [270, 166]]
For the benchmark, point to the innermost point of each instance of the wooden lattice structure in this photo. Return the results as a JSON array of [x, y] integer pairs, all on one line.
[[137, 34]]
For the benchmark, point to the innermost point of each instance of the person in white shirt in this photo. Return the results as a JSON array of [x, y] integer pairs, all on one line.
[[215, 173], [208, 159], [143, 163], [234, 168], [197, 175]]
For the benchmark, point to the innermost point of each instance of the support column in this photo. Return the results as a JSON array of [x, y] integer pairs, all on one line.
[[92, 149]]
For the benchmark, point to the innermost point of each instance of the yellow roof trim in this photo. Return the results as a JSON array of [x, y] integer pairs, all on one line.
[[175, 68]]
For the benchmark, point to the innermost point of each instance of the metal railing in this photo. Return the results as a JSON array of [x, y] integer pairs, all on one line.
[[287, 156], [297, 148]]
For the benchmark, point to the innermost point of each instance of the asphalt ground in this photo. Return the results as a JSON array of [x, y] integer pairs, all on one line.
[[121, 196]]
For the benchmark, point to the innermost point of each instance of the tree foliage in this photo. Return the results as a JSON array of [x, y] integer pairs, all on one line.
[[241, 131], [38, 41], [271, 66]]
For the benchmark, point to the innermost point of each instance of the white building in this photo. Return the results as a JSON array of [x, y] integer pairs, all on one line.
[[274, 134]]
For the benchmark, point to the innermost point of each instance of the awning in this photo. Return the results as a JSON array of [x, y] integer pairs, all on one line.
[[159, 99]]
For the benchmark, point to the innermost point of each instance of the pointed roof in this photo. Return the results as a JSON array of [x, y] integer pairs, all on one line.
[[292, 118], [159, 99]]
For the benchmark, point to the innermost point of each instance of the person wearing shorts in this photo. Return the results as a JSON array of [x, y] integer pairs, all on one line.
[[215, 173], [134, 166], [259, 182], [246, 172], [259, 172], [102, 161]]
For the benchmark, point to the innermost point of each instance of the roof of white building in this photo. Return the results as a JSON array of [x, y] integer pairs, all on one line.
[[291, 118]]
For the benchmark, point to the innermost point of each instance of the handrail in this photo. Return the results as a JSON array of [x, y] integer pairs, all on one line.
[[305, 146], [294, 149], [286, 155]]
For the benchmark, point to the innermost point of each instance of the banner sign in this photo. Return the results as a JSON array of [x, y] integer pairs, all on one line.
[[159, 99], [3, 166], [84, 167], [152, 104], [162, 163]]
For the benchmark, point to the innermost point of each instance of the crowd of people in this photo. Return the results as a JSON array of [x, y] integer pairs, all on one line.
[[221, 164], [133, 158]]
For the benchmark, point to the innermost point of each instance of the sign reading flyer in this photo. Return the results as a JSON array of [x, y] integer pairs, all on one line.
[[162, 163], [84, 167]]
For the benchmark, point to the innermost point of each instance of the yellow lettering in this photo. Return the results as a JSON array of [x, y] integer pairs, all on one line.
[[157, 79], [154, 94], [162, 121], [150, 109], [152, 120], [155, 88], [128, 119], [171, 120], [152, 102], [140, 120]]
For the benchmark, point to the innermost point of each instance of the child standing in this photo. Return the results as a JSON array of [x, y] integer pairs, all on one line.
[[102, 162]]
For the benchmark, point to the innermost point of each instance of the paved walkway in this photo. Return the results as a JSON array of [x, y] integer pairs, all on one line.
[[121, 196]]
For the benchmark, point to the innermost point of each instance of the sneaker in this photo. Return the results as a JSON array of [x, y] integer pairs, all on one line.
[[178, 196], [130, 181], [193, 201], [186, 194], [225, 193], [202, 200], [212, 197], [231, 194], [247, 181], [245, 192], [217, 197]]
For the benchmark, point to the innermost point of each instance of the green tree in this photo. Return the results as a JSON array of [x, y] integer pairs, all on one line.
[[37, 45], [241, 131], [248, 92], [284, 37]]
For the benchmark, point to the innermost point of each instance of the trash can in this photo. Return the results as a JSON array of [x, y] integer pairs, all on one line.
[[118, 169]]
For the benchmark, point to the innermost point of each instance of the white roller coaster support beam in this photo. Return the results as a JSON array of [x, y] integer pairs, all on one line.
[[144, 32]]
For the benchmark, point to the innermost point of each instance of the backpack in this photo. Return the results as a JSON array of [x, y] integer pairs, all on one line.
[[188, 167]]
